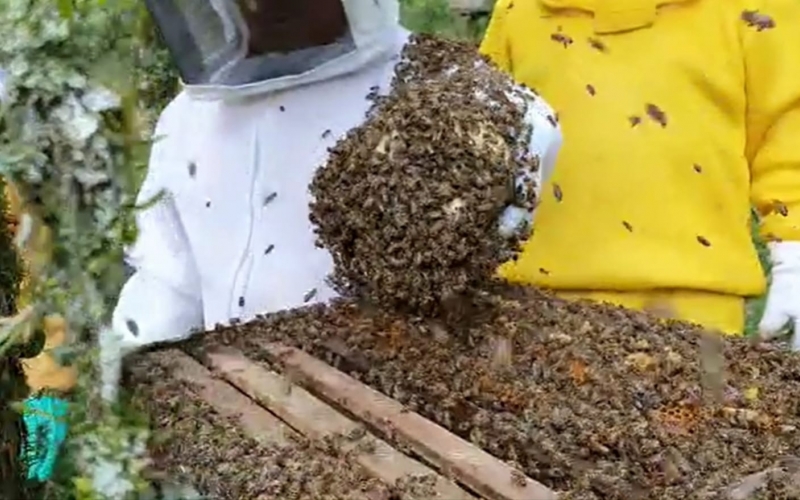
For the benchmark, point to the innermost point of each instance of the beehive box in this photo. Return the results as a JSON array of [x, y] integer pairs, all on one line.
[[591, 401], [238, 428]]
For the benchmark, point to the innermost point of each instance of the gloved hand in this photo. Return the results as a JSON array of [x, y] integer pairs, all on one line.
[[544, 143], [46, 429], [783, 300], [515, 221]]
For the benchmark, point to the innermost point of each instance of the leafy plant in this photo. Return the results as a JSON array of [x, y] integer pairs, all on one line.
[[436, 17], [74, 141]]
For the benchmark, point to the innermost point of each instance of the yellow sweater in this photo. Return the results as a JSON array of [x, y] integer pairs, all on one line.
[[677, 115]]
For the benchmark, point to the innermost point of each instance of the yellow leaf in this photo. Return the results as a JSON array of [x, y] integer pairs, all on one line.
[[83, 488]]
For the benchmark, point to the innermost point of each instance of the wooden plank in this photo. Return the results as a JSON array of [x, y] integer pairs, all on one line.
[[483, 473], [317, 420], [254, 420]]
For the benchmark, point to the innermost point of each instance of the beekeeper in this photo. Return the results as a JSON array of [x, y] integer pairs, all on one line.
[[269, 86], [679, 116]]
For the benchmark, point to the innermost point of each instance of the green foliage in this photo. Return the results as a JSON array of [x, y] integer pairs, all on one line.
[[72, 140], [10, 265], [158, 79], [12, 470], [12, 379], [755, 305], [428, 16], [435, 17]]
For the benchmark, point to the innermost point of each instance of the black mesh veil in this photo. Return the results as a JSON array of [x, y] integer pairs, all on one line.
[[208, 41]]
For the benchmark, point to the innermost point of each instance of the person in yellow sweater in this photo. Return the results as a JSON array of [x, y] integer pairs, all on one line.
[[45, 410], [677, 116]]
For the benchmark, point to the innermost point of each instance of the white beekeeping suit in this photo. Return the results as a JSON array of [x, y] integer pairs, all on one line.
[[234, 155]]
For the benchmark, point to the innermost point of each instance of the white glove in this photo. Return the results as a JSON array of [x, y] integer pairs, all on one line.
[[544, 142], [783, 300], [515, 220], [149, 311]]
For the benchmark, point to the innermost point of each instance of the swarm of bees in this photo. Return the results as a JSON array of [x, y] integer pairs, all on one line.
[[592, 400], [408, 203]]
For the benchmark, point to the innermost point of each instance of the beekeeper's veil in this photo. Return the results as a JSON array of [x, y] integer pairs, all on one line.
[[215, 43]]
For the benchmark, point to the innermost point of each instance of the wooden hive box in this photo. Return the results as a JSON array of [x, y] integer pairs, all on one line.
[[321, 403]]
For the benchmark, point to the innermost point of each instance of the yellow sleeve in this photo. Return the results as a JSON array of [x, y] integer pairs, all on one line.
[[771, 42], [495, 40]]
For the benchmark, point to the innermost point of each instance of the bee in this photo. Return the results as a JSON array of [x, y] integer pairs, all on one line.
[[270, 198], [367, 447], [356, 433], [757, 20], [780, 207], [627, 226], [634, 120], [132, 326], [698, 168], [590, 89], [557, 192], [518, 479], [657, 114], [703, 241], [561, 38], [597, 44]]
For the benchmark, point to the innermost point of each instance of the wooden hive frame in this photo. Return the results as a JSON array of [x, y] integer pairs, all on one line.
[[299, 394]]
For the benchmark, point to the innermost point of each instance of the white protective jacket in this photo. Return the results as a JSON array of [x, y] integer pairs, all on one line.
[[232, 238]]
